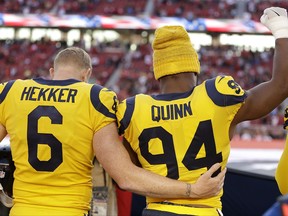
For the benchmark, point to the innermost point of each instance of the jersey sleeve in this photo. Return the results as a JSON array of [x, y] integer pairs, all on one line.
[[224, 91], [281, 174], [4, 89], [124, 114], [120, 116], [105, 102]]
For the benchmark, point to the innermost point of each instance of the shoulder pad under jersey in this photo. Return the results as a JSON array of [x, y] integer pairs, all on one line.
[[224, 91], [4, 89]]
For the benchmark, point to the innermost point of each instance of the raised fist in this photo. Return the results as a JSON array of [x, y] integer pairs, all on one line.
[[275, 19]]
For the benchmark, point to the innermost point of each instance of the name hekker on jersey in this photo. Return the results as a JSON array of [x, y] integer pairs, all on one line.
[[51, 126], [181, 135]]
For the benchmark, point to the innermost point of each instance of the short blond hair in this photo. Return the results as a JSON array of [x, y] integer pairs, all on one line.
[[73, 56]]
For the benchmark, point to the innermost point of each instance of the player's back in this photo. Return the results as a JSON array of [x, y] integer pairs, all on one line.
[[51, 126], [181, 135]]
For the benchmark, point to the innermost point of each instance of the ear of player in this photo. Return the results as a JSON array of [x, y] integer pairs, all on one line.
[[275, 19]]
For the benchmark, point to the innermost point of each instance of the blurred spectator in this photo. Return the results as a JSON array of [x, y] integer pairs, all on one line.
[[136, 73], [220, 9]]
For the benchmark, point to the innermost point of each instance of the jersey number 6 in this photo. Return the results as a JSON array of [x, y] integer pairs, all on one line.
[[35, 138]]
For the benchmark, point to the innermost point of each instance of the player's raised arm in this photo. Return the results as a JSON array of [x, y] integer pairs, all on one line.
[[265, 97], [115, 159]]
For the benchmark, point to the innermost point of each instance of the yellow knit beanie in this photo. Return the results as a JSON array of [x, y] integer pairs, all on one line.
[[173, 52]]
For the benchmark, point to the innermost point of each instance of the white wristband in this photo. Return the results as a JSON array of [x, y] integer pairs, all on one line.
[[281, 33]]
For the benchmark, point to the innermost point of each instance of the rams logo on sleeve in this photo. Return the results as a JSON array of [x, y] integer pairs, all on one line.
[[224, 91], [4, 89]]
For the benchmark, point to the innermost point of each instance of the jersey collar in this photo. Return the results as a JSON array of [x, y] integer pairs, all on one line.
[[56, 82]]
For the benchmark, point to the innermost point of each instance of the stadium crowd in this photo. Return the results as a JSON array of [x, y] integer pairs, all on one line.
[[26, 59], [190, 9]]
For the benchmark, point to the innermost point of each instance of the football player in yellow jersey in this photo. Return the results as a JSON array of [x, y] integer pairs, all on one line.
[[281, 174], [56, 126], [182, 131]]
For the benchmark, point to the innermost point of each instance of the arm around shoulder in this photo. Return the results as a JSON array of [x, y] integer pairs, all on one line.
[[113, 156]]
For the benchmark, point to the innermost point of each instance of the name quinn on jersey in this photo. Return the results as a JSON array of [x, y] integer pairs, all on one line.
[[171, 111]]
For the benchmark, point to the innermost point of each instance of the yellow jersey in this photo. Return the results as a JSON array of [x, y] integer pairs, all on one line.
[[281, 174], [181, 135], [51, 126]]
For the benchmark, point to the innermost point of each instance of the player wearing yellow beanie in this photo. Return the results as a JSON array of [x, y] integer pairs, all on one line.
[[186, 128], [173, 52]]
